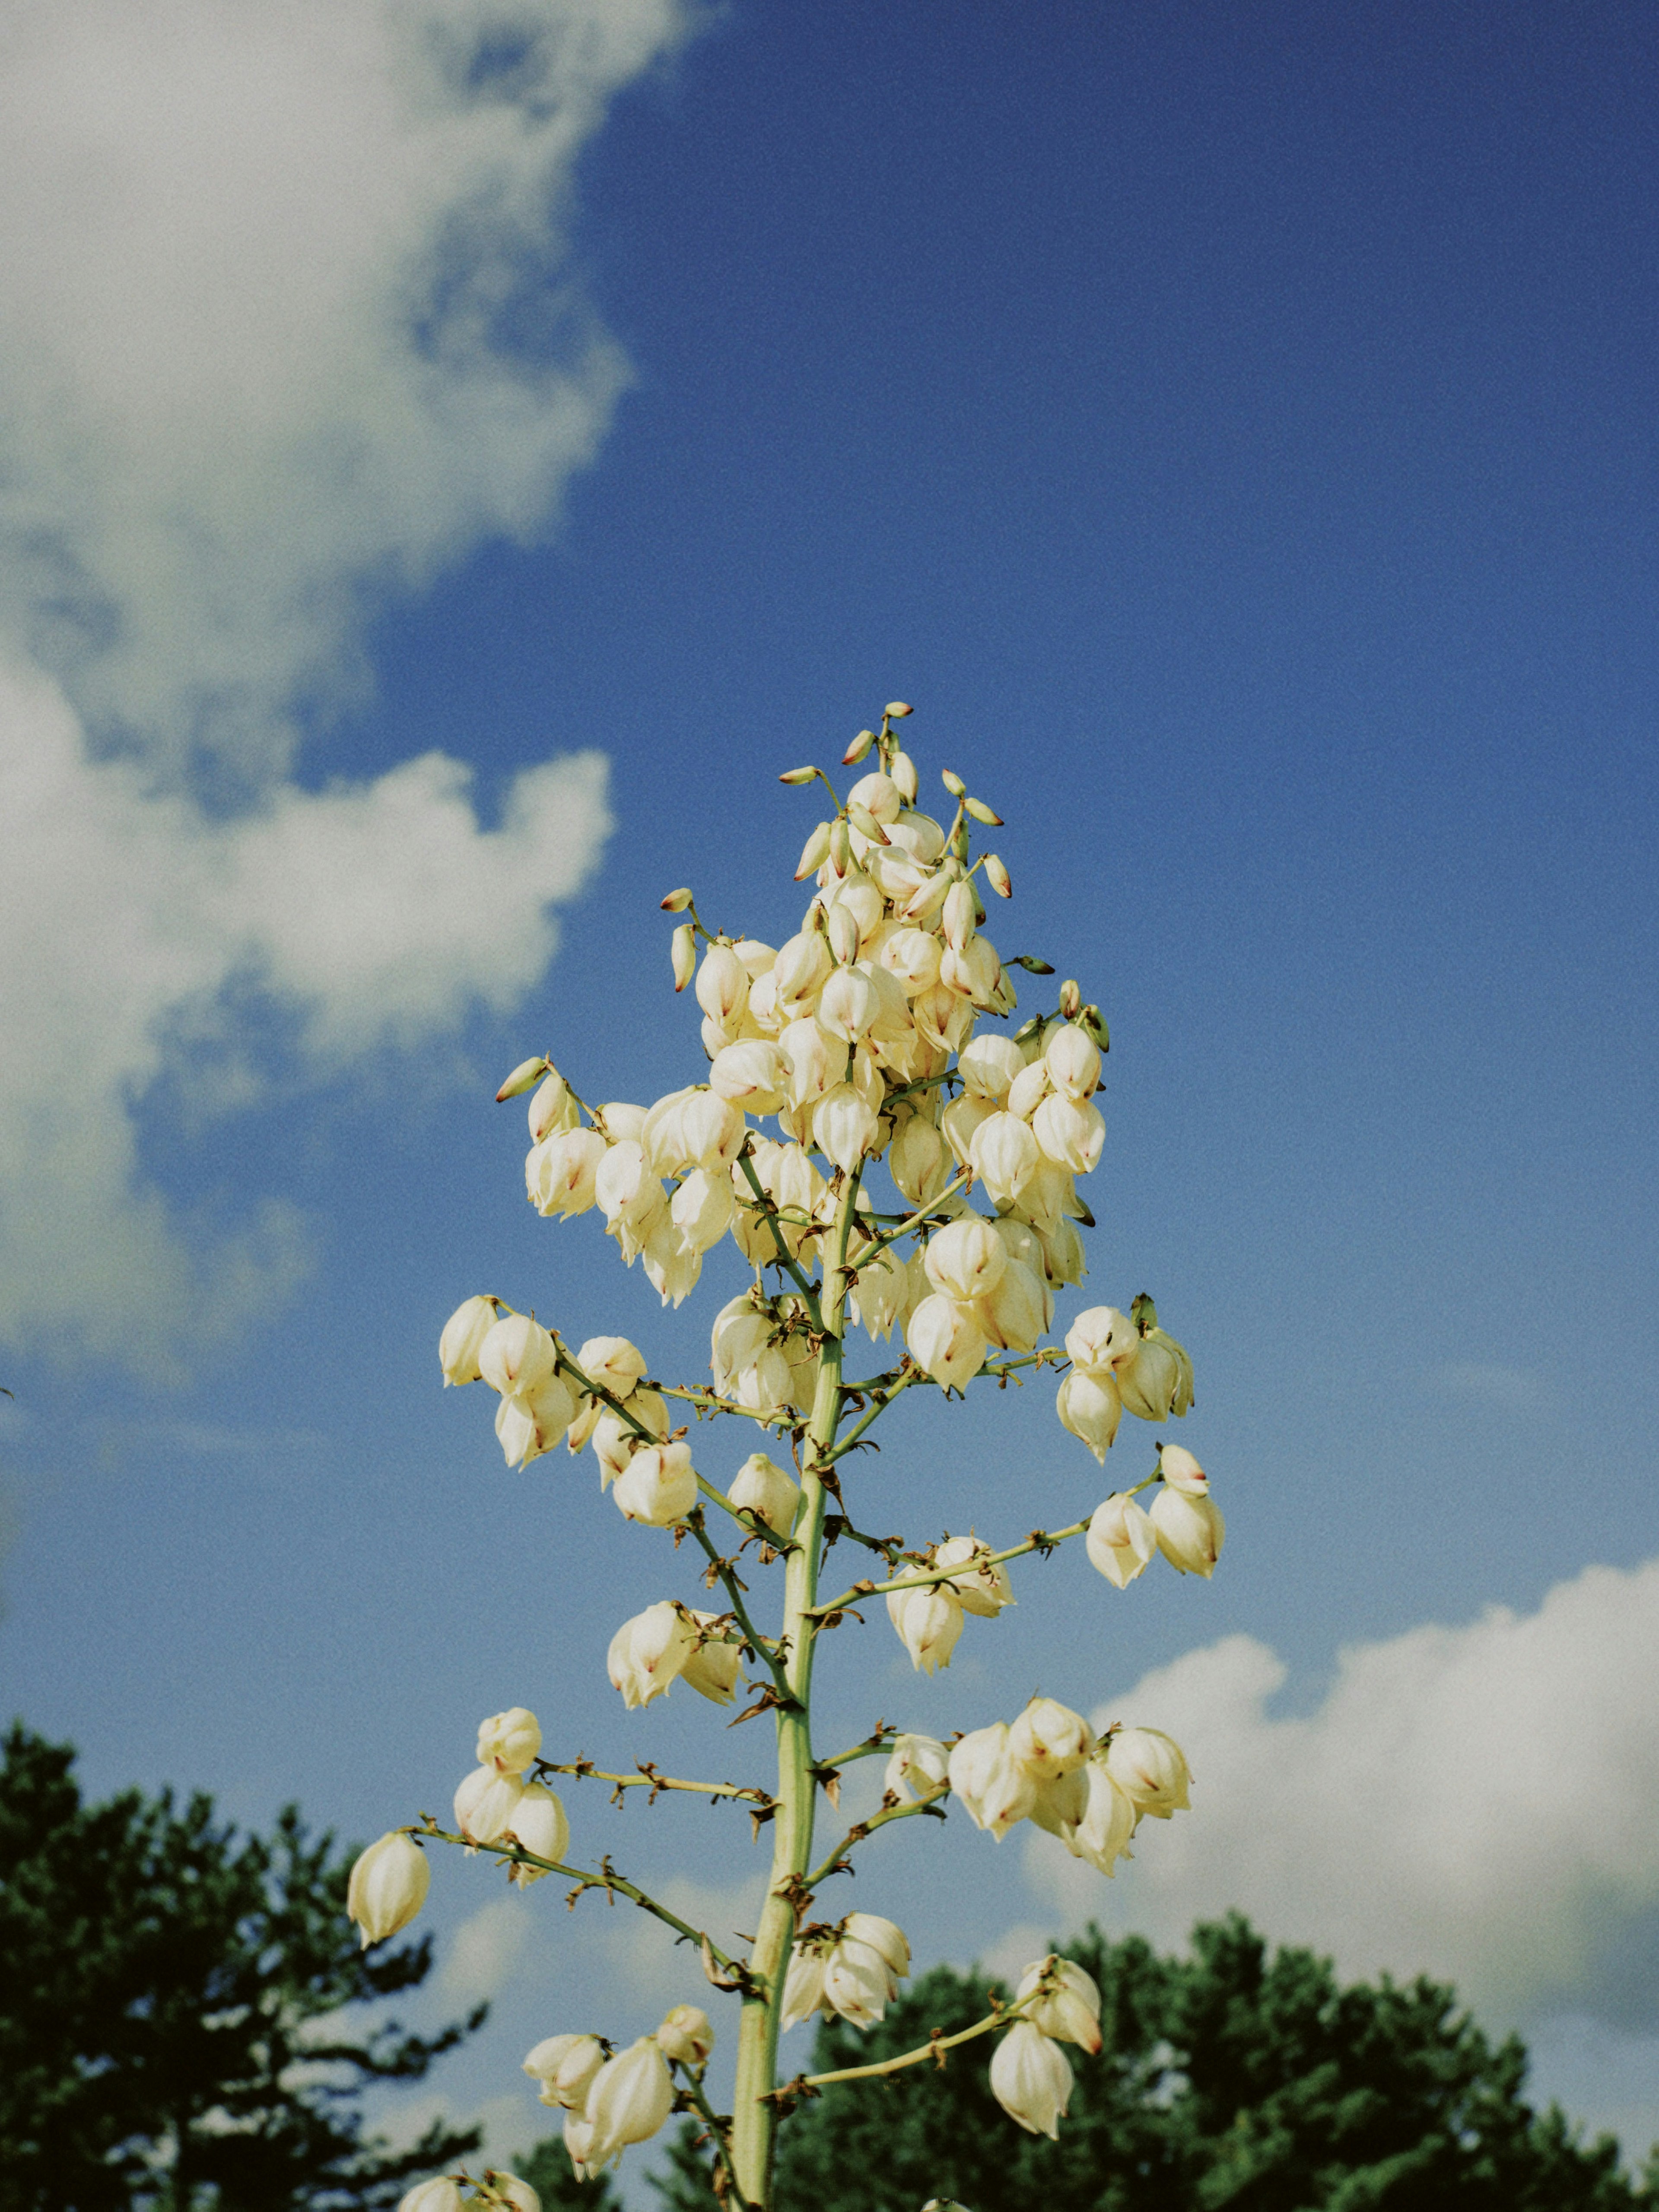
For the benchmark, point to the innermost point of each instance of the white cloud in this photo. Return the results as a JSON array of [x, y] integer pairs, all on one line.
[[281, 318], [486, 1951], [284, 324], [1481, 1803], [375, 913], [660, 1970]]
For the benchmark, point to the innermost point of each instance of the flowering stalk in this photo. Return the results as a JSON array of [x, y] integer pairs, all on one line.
[[869, 1035]]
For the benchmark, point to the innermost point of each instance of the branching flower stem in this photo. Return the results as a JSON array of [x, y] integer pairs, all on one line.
[[763, 1650], [913, 1222], [873, 1414], [803, 1283], [512, 1854], [648, 1778], [856, 1834], [931, 2049]]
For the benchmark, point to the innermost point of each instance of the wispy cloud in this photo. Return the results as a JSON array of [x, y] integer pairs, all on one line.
[[1479, 1803], [285, 326], [486, 1951], [1510, 1389]]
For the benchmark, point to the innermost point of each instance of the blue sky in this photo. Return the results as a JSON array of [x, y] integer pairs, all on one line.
[[1235, 433]]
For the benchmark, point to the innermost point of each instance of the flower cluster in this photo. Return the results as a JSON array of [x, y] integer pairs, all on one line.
[[853, 1968], [505, 2191], [1048, 1767], [875, 1032], [612, 2100]]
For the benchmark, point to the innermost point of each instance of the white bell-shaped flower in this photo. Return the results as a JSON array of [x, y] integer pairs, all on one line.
[[1101, 1339], [463, 1335], [752, 1075], [1089, 1405], [612, 1362], [877, 1294], [1102, 1833], [803, 1989], [1150, 1769], [632, 2094], [911, 957], [918, 1160], [1028, 1089], [989, 1780], [715, 1668], [1158, 1381], [1063, 1260], [516, 1356], [816, 1061], [1072, 1059], [961, 1122], [928, 1621], [701, 1208], [917, 1770], [529, 1425], [388, 1885], [946, 1340], [768, 1491], [648, 1652], [1190, 1530], [485, 1803], [1069, 1133], [1061, 1801], [1050, 1739], [989, 1065], [1120, 1539], [1182, 1472], [858, 1983], [539, 1825], [658, 1487], [1069, 2008], [1004, 1155], [722, 985], [440, 2196], [509, 1741], [552, 1108], [559, 1174], [565, 2066], [1031, 2079], [686, 2036], [882, 1935], [1016, 1313], [672, 1266], [984, 1589], [966, 1259]]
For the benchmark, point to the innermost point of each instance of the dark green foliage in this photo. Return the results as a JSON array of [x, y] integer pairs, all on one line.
[[1227, 2080], [160, 1981], [547, 2169]]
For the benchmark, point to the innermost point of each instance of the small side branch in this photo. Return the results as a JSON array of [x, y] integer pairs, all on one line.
[[646, 1777], [838, 1861], [872, 1414], [913, 1221], [1040, 1540], [801, 1282], [734, 1590], [935, 2047]]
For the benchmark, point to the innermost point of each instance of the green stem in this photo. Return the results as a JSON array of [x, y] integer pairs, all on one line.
[[856, 1835], [874, 1414], [914, 1221], [762, 1650], [1040, 1540], [801, 1283], [928, 2050], [755, 2114]]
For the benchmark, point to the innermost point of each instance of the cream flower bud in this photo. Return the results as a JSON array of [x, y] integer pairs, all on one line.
[[1069, 1133], [1069, 2010], [1158, 1381], [485, 1804], [990, 1781], [714, 1668], [722, 985], [768, 1491], [524, 1077], [813, 853], [516, 1356], [1031, 2079], [803, 1989], [647, 1652], [841, 929], [843, 1127], [1073, 1059], [539, 1824], [1089, 1405], [849, 1005], [1152, 1770], [1017, 1311], [439, 2195], [560, 1172], [859, 746], [1101, 1339], [945, 1338], [509, 1741], [464, 1333], [632, 2094], [985, 1589], [966, 1261], [902, 769], [753, 1074], [1120, 1539], [960, 916], [388, 1887], [552, 1108], [917, 1770], [1182, 1472], [658, 1487], [1190, 1530], [1049, 1738], [928, 1620], [996, 874], [565, 2066], [1004, 1155], [683, 954], [1030, 1087], [686, 2036]]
